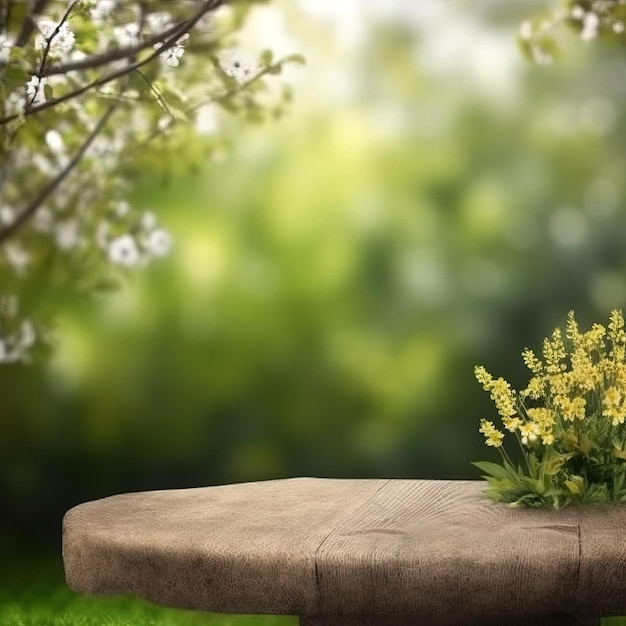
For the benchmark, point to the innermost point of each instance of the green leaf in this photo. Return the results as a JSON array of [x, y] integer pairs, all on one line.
[[267, 56], [576, 485], [553, 463], [15, 74], [535, 485], [296, 58], [493, 469], [619, 475]]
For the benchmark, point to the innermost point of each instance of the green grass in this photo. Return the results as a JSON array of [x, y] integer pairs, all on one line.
[[33, 593]]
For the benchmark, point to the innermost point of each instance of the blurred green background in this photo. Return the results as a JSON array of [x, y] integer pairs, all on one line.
[[431, 201]]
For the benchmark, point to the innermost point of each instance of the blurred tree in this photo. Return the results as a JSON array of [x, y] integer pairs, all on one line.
[[83, 86]]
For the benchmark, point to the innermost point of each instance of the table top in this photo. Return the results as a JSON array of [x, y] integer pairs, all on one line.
[[307, 546]]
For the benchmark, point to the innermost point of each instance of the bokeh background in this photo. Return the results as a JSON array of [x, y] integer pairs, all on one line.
[[431, 200]]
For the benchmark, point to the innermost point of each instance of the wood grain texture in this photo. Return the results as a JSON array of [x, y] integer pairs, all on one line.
[[418, 550], [602, 578], [431, 547], [247, 548], [461, 620]]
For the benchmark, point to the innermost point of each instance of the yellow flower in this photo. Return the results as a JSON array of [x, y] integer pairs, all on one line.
[[613, 403], [512, 423], [554, 352], [616, 327], [559, 385], [543, 420], [532, 362], [529, 432], [504, 397], [619, 353], [572, 409], [493, 437], [535, 388], [571, 328], [612, 397], [543, 417], [593, 339], [483, 377]]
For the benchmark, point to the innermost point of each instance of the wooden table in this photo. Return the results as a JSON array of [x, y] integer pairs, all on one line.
[[352, 552]]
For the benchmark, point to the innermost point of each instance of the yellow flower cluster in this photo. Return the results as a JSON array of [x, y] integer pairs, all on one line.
[[582, 377], [613, 404], [503, 396], [541, 423], [493, 436]]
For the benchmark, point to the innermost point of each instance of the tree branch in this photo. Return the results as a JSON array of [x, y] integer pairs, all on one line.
[[119, 54], [52, 185], [182, 28]]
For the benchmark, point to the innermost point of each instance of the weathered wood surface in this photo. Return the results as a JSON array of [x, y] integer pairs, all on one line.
[[417, 620], [409, 551]]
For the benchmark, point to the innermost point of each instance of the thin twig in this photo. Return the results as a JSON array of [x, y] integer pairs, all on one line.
[[192, 109], [103, 80], [156, 92], [97, 60], [52, 185], [46, 51]]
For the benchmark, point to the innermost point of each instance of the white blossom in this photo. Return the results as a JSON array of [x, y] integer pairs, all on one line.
[[123, 251], [148, 220], [15, 347], [8, 354], [173, 55], [27, 335], [35, 91], [15, 103], [67, 234], [6, 43], [122, 208], [526, 30], [17, 256], [55, 141], [127, 35], [43, 220], [7, 214], [101, 10], [59, 42], [207, 120], [158, 22], [159, 242], [591, 22], [236, 66]]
